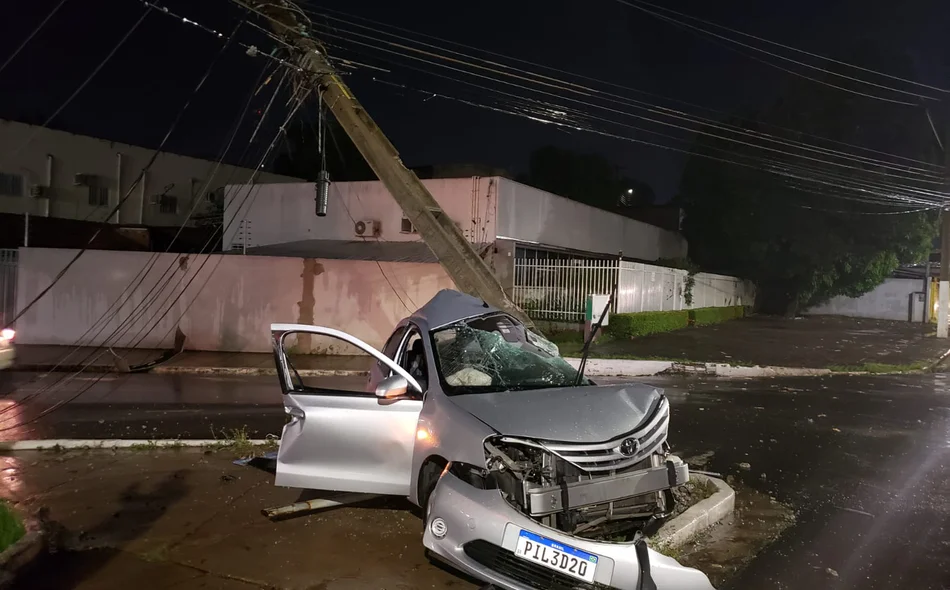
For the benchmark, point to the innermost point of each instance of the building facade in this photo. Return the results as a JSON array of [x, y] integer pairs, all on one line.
[[516, 219], [52, 173]]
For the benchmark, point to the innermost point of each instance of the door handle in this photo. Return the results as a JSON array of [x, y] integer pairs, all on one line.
[[295, 412]]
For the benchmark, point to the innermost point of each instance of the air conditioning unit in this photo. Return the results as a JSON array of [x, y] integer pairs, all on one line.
[[366, 228], [38, 191]]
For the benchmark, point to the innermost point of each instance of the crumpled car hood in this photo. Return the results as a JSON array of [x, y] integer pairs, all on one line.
[[565, 414]]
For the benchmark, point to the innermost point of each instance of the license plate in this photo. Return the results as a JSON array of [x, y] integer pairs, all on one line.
[[553, 555]]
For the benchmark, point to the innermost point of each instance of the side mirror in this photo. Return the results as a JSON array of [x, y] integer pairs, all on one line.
[[392, 387]]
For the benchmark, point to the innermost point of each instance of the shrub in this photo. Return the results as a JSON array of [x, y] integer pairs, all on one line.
[[705, 316], [631, 325], [11, 529]]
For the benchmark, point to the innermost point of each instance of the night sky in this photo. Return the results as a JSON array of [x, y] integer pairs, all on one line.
[[136, 96]]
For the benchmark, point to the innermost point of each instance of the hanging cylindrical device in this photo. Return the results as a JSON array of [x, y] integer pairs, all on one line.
[[323, 193]]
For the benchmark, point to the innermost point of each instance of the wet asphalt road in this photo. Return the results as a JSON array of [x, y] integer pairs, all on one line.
[[865, 462]]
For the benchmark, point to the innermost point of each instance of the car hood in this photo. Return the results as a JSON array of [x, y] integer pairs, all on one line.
[[587, 414]]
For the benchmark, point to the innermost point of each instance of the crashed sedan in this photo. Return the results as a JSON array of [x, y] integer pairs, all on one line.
[[530, 476]]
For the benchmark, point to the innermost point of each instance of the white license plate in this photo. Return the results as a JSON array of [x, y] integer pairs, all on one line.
[[553, 555]]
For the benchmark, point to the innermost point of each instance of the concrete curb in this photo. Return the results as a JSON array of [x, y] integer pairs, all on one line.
[[698, 517], [69, 444], [21, 554], [185, 370]]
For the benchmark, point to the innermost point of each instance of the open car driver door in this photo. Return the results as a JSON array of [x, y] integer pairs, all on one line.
[[343, 440]]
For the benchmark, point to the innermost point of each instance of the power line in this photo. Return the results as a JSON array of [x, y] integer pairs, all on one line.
[[797, 62], [596, 80], [619, 99], [83, 85], [616, 111], [29, 38], [791, 48], [122, 201]]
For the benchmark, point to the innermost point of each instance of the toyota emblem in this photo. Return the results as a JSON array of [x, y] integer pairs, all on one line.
[[629, 447]]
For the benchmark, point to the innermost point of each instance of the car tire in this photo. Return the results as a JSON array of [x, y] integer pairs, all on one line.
[[428, 479]]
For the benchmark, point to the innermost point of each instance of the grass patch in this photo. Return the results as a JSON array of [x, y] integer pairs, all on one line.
[[879, 368], [11, 529], [237, 440]]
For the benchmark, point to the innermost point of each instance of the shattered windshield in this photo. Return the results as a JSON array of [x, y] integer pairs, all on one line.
[[495, 353]]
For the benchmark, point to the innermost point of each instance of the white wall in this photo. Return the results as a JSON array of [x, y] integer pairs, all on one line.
[[286, 213], [888, 301], [78, 154], [228, 303], [535, 216]]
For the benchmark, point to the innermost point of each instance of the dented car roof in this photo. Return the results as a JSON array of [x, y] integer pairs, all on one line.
[[448, 307]]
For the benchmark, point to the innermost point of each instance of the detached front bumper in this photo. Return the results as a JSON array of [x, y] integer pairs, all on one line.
[[481, 534]]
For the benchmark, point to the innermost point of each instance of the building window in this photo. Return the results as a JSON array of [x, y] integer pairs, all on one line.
[[168, 204], [11, 185], [98, 196], [407, 227]]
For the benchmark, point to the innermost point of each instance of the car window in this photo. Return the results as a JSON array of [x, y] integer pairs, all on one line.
[[496, 353], [391, 348], [412, 358]]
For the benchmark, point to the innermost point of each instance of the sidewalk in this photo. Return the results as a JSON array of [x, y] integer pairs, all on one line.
[[817, 342], [45, 358]]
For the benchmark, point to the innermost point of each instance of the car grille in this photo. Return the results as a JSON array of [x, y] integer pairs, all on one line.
[[607, 456], [524, 572]]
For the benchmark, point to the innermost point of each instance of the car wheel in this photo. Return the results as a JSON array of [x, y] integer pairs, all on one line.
[[428, 479]]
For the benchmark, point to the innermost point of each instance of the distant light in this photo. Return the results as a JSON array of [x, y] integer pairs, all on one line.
[[7, 334], [629, 191], [422, 434]]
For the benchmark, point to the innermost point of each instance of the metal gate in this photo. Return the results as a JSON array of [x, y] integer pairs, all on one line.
[[8, 265]]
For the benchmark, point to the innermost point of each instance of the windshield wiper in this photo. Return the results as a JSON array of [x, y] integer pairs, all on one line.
[[590, 338]]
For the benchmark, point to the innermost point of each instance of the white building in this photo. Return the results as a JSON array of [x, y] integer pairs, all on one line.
[[58, 174], [363, 217]]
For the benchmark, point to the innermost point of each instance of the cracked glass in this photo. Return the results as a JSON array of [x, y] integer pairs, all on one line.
[[495, 353]]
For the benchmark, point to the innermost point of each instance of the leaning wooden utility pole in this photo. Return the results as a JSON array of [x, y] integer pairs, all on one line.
[[456, 255]]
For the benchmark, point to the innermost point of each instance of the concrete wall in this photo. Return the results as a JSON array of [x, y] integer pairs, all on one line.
[[52, 158], [277, 214], [228, 304], [530, 215], [888, 301]]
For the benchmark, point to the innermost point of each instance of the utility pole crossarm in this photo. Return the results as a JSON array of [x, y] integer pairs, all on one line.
[[456, 255]]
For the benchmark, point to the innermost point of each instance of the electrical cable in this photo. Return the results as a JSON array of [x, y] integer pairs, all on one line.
[[616, 136], [613, 110], [790, 48], [148, 299], [81, 86], [592, 79], [655, 109], [42, 414], [29, 38], [800, 63], [128, 194], [650, 131]]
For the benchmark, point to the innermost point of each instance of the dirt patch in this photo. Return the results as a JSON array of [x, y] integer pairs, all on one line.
[[691, 493], [730, 546]]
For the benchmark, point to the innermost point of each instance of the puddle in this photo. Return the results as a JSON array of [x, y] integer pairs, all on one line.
[[727, 548]]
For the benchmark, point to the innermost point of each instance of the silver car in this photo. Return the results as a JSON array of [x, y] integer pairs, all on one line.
[[528, 478]]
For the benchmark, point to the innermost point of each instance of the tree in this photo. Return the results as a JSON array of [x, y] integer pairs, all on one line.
[[587, 178], [803, 241]]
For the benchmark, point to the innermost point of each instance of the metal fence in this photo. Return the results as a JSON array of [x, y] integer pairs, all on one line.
[[549, 289], [8, 266]]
